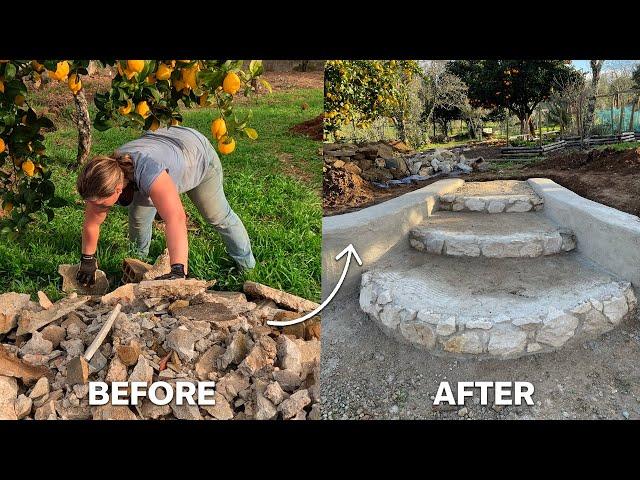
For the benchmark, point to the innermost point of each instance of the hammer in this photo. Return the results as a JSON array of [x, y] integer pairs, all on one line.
[[78, 368]]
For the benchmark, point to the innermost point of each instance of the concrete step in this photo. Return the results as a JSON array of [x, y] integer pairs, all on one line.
[[497, 196], [473, 234], [500, 308]]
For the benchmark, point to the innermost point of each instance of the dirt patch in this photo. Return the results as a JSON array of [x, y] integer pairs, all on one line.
[[605, 176], [342, 190], [311, 128]]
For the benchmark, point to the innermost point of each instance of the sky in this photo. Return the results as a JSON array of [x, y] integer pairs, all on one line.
[[608, 65]]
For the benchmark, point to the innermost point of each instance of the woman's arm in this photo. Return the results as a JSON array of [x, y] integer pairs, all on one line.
[[166, 199], [93, 218]]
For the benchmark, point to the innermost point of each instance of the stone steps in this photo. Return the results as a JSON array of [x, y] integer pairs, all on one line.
[[500, 308], [498, 196], [473, 234]]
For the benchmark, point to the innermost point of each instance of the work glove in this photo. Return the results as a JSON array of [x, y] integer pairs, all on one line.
[[86, 275], [177, 271]]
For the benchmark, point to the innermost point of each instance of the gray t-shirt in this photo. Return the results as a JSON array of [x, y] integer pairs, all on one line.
[[183, 152]]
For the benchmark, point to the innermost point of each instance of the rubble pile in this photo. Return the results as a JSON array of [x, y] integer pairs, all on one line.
[[159, 330], [382, 162]]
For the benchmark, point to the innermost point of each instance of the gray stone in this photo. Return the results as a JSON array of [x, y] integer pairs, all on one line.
[[37, 345], [265, 409], [519, 206], [475, 204], [507, 342], [182, 341], [40, 389], [70, 284], [11, 304], [142, 372], [289, 354], [446, 326], [221, 410], [419, 333], [615, 309], [22, 406], [275, 393], [54, 333], [461, 247], [595, 322], [294, 404], [74, 347], [557, 328], [467, 342], [495, 206]]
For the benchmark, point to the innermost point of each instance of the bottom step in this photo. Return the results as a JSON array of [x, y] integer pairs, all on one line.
[[503, 308]]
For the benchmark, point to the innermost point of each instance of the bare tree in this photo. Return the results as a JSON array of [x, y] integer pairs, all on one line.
[[596, 67]]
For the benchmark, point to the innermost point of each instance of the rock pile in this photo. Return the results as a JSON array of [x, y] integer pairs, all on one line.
[[383, 162], [167, 330]]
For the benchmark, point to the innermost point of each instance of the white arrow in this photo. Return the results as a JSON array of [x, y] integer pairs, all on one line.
[[350, 250]]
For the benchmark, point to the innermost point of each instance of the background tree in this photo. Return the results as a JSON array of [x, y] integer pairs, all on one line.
[[596, 68], [518, 85]]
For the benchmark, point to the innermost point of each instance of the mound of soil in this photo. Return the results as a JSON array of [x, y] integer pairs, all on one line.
[[606, 160], [342, 190], [311, 128]]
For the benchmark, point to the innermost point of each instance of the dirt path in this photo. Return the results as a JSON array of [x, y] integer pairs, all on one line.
[[367, 375]]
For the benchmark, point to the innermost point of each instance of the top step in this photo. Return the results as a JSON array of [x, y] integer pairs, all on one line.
[[497, 196]]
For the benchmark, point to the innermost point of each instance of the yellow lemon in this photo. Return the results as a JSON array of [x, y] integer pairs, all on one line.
[[178, 85], [126, 109], [189, 76], [174, 122], [1, 86], [135, 65], [29, 168], [226, 145], [75, 84], [143, 109], [62, 70], [129, 73], [154, 125], [163, 72], [218, 128], [231, 83], [2, 145]]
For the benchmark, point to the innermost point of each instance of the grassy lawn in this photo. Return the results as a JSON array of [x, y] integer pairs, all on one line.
[[273, 184]]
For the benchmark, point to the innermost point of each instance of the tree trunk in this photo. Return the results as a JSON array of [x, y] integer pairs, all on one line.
[[83, 124], [621, 118], [596, 66], [532, 127], [633, 112]]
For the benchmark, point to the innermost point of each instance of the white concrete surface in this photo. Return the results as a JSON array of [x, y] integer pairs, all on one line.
[[375, 232], [607, 236]]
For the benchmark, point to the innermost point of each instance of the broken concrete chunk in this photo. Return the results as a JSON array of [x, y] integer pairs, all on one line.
[[117, 371], [237, 349], [178, 305], [55, 334], [73, 347], [113, 412], [207, 361], [285, 299], [44, 301], [37, 345], [40, 389], [70, 284], [275, 393], [12, 366], [175, 289], [142, 372], [289, 354], [97, 363], [221, 410], [77, 371], [8, 389], [265, 409], [11, 304], [314, 414], [46, 411], [124, 295], [29, 322], [294, 404], [231, 384], [287, 379], [181, 341], [262, 355], [22, 406]]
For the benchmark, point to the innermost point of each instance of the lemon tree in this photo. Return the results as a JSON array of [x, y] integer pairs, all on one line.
[[148, 93], [144, 94], [360, 91]]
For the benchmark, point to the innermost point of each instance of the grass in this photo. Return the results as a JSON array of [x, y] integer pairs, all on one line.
[[619, 147], [273, 184]]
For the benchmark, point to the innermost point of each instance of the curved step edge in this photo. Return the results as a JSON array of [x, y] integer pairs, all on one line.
[[504, 337]]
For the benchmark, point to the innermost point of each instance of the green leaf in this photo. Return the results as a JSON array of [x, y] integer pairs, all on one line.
[[10, 71]]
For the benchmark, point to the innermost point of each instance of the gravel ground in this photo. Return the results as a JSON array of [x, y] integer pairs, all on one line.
[[366, 375]]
